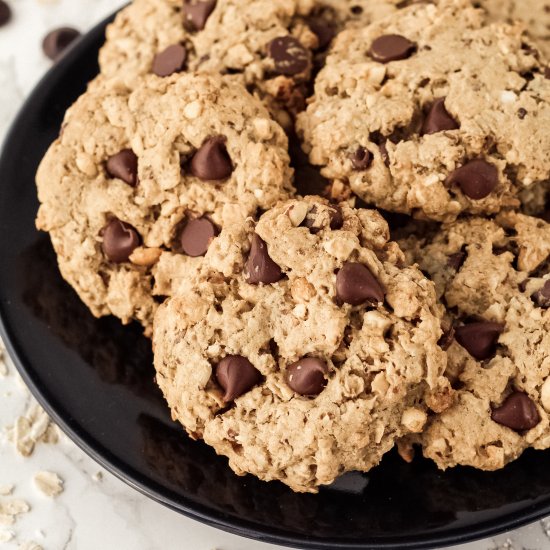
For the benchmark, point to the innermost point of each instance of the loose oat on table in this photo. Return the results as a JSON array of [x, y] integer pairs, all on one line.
[[265, 44], [432, 112], [49, 483], [304, 347], [493, 276], [140, 182]]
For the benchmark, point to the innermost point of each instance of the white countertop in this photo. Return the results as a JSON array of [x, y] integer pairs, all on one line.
[[96, 511]]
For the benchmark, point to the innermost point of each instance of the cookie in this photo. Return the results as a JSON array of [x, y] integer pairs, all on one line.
[[266, 45], [141, 181], [494, 278], [431, 112], [534, 13], [307, 352]]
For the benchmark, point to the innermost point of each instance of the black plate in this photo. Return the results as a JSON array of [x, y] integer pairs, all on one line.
[[95, 378]]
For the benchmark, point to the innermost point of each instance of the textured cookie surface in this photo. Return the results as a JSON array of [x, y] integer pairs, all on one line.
[[141, 181], [267, 45], [319, 368], [494, 278], [431, 112]]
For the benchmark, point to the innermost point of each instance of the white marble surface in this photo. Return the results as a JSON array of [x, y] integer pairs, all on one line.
[[99, 512]]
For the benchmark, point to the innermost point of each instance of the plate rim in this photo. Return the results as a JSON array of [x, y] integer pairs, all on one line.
[[237, 526]]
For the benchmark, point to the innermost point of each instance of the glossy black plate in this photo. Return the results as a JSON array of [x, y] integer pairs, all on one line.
[[95, 378]]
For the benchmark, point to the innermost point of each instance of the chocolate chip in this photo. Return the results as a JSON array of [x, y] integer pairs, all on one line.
[[307, 376], [120, 239], [335, 215], [542, 297], [518, 412], [438, 119], [456, 261], [5, 13], [391, 47], [290, 56], [236, 375], [323, 30], [522, 113], [384, 153], [477, 179], [547, 72], [196, 236], [171, 60], [212, 162], [196, 13], [124, 166], [361, 159], [260, 268], [479, 339], [355, 285], [58, 40]]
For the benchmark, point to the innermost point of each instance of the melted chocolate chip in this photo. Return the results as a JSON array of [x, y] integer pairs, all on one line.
[[438, 119], [361, 159], [542, 297], [120, 239], [171, 60], [518, 412], [391, 47], [307, 376], [260, 268], [477, 179], [356, 285], [5, 13], [290, 57], [196, 236], [479, 339], [336, 217], [323, 30], [57, 41], [456, 261], [212, 162], [236, 375], [124, 166], [196, 13]]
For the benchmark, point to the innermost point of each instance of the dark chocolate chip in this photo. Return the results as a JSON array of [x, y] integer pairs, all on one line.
[[391, 47], [323, 30], [542, 297], [212, 162], [290, 56], [58, 40], [336, 217], [171, 60], [5, 13], [456, 261], [479, 339], [196, 13], [438, 119], [518, 412], [124, 166], [477, 179], [547, 72], [355, 285], [307, 376], [236, 375], [260, 268], [196, 236], [361, 159], [120, 239], [522, 113]]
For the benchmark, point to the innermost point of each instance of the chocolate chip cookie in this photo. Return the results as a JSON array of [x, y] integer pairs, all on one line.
[[140, 182], [432, 112], [266, 45], [308, 351], [494, 278]]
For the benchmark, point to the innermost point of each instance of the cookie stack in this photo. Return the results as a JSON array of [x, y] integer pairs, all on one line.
[[291, 333]]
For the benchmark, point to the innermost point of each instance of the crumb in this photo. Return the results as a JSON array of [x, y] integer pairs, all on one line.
[[29, 546], [6, 535], [6, 490], [10, 509], [98, 476]]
